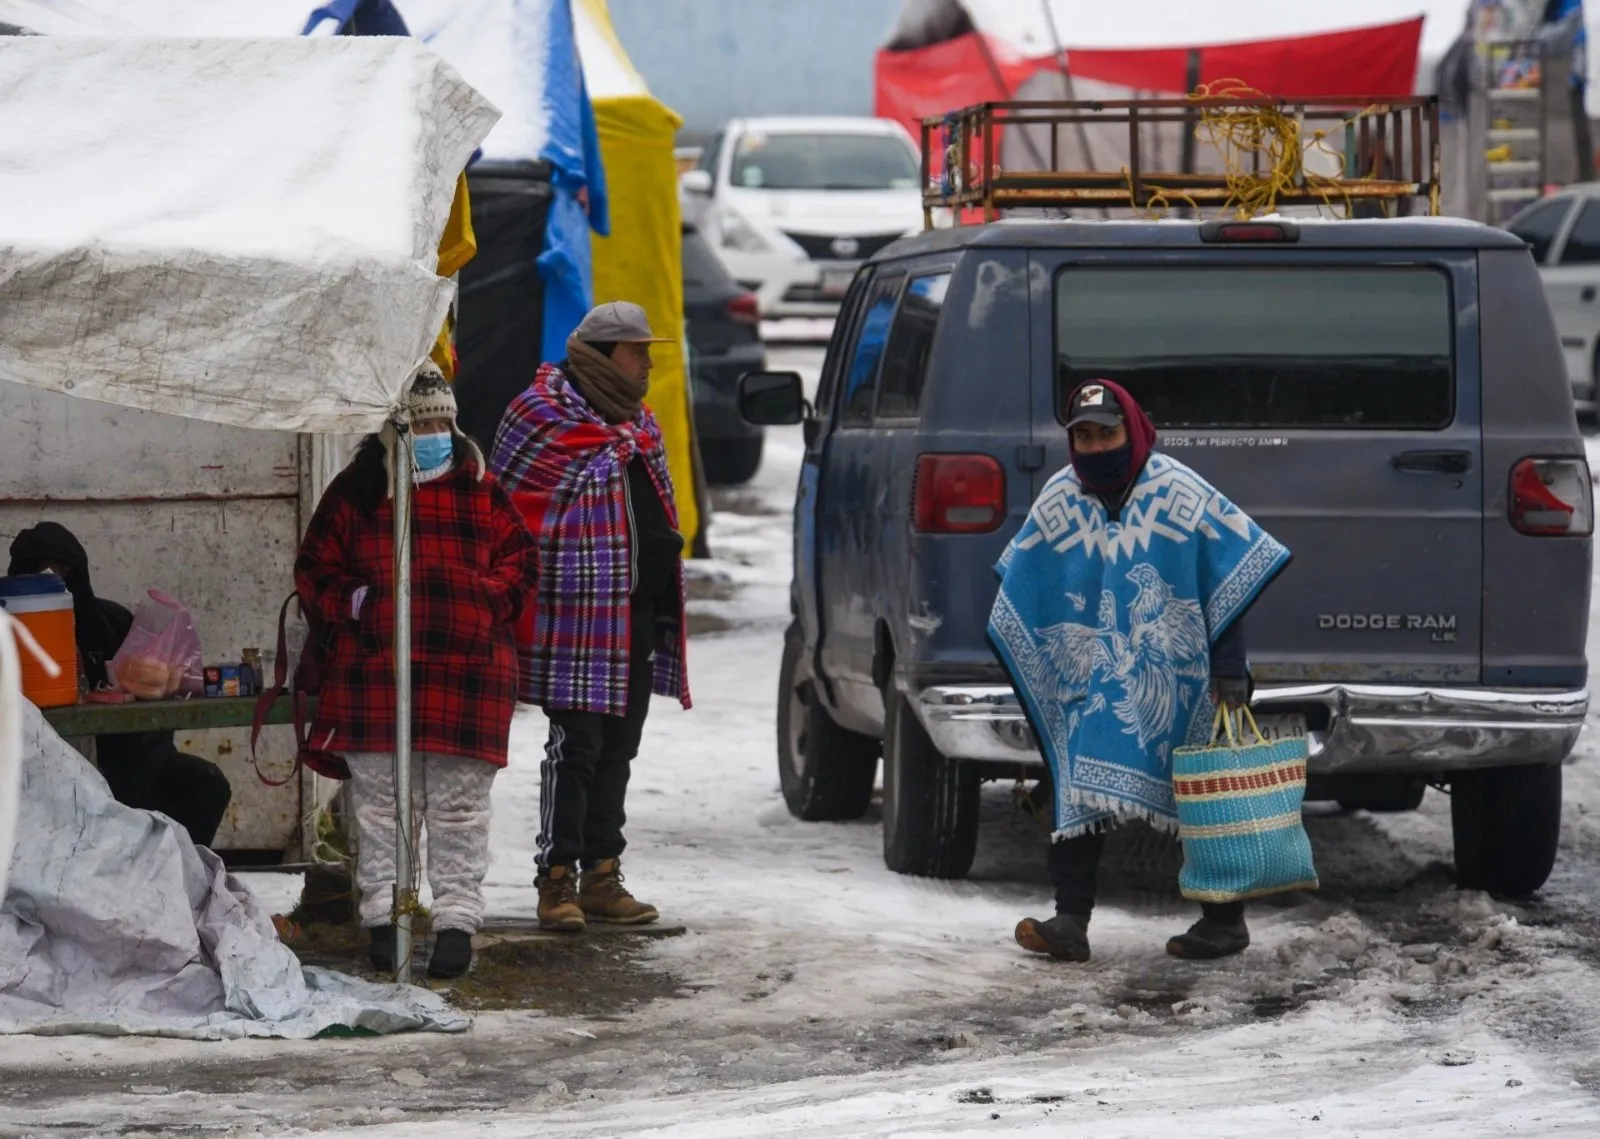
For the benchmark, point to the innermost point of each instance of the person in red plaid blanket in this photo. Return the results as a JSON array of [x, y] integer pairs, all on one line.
[[473, 564], [583, 457]]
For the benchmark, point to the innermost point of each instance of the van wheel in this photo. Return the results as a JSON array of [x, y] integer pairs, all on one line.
[[827, 772], [732, 462], [930, 802], [1507, 825], [1391, 796]]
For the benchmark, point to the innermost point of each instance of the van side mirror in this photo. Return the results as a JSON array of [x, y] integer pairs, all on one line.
[[696, 182], [772, 399]]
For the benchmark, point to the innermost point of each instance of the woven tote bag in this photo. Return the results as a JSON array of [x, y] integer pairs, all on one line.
[[1239, 818]]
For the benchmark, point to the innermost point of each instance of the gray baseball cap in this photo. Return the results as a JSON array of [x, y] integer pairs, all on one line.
[[617, 322]]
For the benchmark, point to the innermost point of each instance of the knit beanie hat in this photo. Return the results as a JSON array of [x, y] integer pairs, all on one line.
[[429, 396]]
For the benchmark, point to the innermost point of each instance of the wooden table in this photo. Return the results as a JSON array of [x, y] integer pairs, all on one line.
[[192, 715]]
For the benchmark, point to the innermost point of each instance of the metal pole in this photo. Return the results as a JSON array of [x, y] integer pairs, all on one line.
[[404, 895], [1068, 88], [1191, 123]]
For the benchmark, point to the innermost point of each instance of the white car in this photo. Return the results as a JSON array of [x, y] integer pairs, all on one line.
[[1563, 233], [794, 205]]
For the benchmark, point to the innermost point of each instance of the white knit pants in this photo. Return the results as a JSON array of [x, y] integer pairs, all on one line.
[[450, 795]]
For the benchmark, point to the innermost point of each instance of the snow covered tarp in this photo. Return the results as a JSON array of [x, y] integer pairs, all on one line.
[[240, 230], [116, 923]]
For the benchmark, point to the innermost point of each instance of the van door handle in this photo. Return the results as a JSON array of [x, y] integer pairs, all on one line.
[[1588, 293], [1434, 462]]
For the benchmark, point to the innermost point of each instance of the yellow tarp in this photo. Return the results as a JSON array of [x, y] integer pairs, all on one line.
[[642, 262], [457, 245], [642, 259]]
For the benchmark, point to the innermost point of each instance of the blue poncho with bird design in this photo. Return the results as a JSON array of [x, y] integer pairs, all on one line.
[[1106, 629]]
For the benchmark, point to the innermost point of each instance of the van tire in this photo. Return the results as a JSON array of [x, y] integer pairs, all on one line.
[[1507, 825], [827, 773], [930, 802]]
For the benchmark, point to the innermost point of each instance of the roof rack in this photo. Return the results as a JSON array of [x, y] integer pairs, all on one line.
[[1264, 143]]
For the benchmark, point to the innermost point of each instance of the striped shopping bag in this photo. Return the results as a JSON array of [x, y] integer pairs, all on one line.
[[1239, 813]]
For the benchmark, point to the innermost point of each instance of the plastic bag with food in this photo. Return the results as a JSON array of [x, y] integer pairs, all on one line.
[[161, 656]]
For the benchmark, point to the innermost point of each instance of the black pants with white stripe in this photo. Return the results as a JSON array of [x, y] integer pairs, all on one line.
[[587, 761]]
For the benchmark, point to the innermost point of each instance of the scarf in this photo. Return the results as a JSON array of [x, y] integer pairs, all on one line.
[[602, 384]]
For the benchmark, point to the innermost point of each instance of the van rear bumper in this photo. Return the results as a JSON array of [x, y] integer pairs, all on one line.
[[1353, 728]]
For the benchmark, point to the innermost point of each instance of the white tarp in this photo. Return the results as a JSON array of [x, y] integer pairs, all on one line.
[[503, 49], [116, 923], [239, 230], [158, 17]]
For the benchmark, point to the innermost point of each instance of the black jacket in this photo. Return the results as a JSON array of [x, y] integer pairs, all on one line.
[[100, 627]]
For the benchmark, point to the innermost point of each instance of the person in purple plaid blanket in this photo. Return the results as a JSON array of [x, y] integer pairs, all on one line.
[[583, 458]]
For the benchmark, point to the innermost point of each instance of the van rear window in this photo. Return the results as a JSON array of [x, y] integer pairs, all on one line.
[[1261, 346]]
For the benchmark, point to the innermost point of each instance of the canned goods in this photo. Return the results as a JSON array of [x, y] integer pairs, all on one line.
[[230, 679], [212, 680]]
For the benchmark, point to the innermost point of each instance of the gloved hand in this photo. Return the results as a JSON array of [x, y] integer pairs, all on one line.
[[1231, 691]]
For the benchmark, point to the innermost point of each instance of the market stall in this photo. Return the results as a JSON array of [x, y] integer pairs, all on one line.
[[271, 259]]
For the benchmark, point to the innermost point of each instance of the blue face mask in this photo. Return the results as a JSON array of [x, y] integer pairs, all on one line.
[[433, 451]]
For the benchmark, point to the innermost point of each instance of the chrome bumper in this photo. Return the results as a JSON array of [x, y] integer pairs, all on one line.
[[1370, 728]]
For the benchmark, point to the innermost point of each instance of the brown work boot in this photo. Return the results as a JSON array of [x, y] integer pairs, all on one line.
[[558, 900], [604, 897]]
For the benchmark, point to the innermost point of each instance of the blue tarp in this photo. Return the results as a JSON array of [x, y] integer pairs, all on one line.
[[544, 99], [573, 151]]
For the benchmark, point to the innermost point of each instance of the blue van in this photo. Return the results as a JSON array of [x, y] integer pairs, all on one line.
[[1387, 397]]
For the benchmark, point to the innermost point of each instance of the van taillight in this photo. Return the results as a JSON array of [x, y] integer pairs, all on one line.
[[744, 309], [1552, 498], [958, 494]]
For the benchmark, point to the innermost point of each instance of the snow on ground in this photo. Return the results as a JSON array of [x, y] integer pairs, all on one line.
[[819, 994]]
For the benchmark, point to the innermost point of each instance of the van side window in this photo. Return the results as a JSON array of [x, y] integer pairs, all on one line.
[[861, 381], [1539, 226], [905, 364], [1583, 243], [834, 363]]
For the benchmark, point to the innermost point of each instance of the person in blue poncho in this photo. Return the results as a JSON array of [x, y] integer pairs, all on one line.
[[1118, 620]]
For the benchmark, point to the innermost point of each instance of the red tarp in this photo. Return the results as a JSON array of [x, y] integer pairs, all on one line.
[[925, 82]]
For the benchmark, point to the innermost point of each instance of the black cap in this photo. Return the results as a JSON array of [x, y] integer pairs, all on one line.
[[1094, 403]]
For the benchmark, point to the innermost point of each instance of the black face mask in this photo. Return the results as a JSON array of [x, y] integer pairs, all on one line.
[[1104, 470]]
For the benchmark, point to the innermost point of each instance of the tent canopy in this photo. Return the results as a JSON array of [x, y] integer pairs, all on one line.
[[946, 54], [196, 17], [1023, 25], [278, 213]]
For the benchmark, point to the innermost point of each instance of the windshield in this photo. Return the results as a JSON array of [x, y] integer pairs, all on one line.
[[824, 162]]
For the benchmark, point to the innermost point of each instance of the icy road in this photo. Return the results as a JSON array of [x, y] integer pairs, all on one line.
[[817, 994]]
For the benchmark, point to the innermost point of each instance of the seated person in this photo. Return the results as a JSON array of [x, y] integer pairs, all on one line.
[[144, 769]]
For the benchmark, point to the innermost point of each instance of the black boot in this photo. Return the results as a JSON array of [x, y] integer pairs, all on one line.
[[1220, 932], [452, 954], [1064, 937], [382, 948]]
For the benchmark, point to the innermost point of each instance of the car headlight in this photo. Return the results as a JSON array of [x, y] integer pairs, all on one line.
[[740, 236]]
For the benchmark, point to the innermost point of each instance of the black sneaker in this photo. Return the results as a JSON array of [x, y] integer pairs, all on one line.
[[1209, 939], [382, 948], [1064, 937], [452, 954]]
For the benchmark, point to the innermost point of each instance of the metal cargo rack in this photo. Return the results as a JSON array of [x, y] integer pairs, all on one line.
[[1398, 137]]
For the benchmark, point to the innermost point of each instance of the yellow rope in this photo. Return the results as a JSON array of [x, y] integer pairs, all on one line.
[[1245, 137]]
